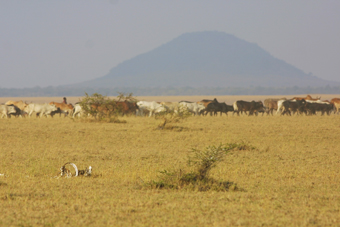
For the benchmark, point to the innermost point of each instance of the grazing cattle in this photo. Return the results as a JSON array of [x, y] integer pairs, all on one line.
[[250, 107], [78, 110], [289, 106], [153, 107], [271, 105], [171, 106], [192, 107], [18, 111], [58, 111], [41, 109], [206, 102], [312, 107], [126, 108], [280, 106], [215, 107], [63, 108], [22, 105], [336, 104], [5, 110]]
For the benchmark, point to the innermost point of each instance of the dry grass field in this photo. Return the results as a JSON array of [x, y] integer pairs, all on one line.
[[292, 178]]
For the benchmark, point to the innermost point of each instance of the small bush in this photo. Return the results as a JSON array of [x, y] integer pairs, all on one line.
[[203, 161], [104, 109], [169, 118]]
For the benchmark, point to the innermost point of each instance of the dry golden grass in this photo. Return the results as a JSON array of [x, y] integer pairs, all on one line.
[[291, 179]]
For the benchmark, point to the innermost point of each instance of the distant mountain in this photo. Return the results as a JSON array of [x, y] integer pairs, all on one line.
[[205, 59]]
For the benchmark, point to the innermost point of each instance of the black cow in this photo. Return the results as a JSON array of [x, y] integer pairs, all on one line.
[[250, 107], [293, 106], [221, 107]]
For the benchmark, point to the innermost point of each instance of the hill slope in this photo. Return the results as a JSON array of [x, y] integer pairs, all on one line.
[[213, 59]]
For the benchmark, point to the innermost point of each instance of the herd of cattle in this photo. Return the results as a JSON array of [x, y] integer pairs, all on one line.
[[300, 105]]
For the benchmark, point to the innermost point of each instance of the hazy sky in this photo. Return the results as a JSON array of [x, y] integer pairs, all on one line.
[[58, 42]]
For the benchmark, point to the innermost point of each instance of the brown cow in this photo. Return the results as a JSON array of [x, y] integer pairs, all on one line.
[[336, 104], [271, 105], [308, 97], [126, 108], [20, 104], [64, 108]]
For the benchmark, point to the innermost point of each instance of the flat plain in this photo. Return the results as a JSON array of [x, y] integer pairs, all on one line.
[[291, 178]]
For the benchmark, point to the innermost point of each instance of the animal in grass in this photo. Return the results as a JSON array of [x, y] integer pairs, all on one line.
[[78, 110], [87, 172], [67, 173], [126, 108], [153, 107], [206, 102], [336, 104], [250, 107], [289, 106], [19, 104], [215, 107], [6, 110], [192, 107], [41, 109], [324, 107], [63, 108], [18, 111]]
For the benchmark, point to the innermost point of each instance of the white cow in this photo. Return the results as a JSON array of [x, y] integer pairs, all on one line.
[[6, 110], [171, 106], [192, 107], [279, 105], [41, 109], [78, 110], [153, 107]]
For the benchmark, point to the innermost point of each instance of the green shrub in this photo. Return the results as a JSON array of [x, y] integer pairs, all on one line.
[[102, 108], [202, 161]]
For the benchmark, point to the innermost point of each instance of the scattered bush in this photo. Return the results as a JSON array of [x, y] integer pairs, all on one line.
[[103, 109], [202, 161], [169, 118]]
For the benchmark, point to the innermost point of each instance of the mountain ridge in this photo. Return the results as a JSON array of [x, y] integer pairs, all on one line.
[[211, 58]]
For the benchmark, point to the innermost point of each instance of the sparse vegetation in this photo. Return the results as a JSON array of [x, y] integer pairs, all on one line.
[[203, 161], [169, 119], [287, 166]]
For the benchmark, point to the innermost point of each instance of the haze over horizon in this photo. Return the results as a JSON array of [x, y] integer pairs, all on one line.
[[57, 43]]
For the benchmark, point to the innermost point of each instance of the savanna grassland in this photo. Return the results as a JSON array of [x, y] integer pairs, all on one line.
[[291, 178]]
